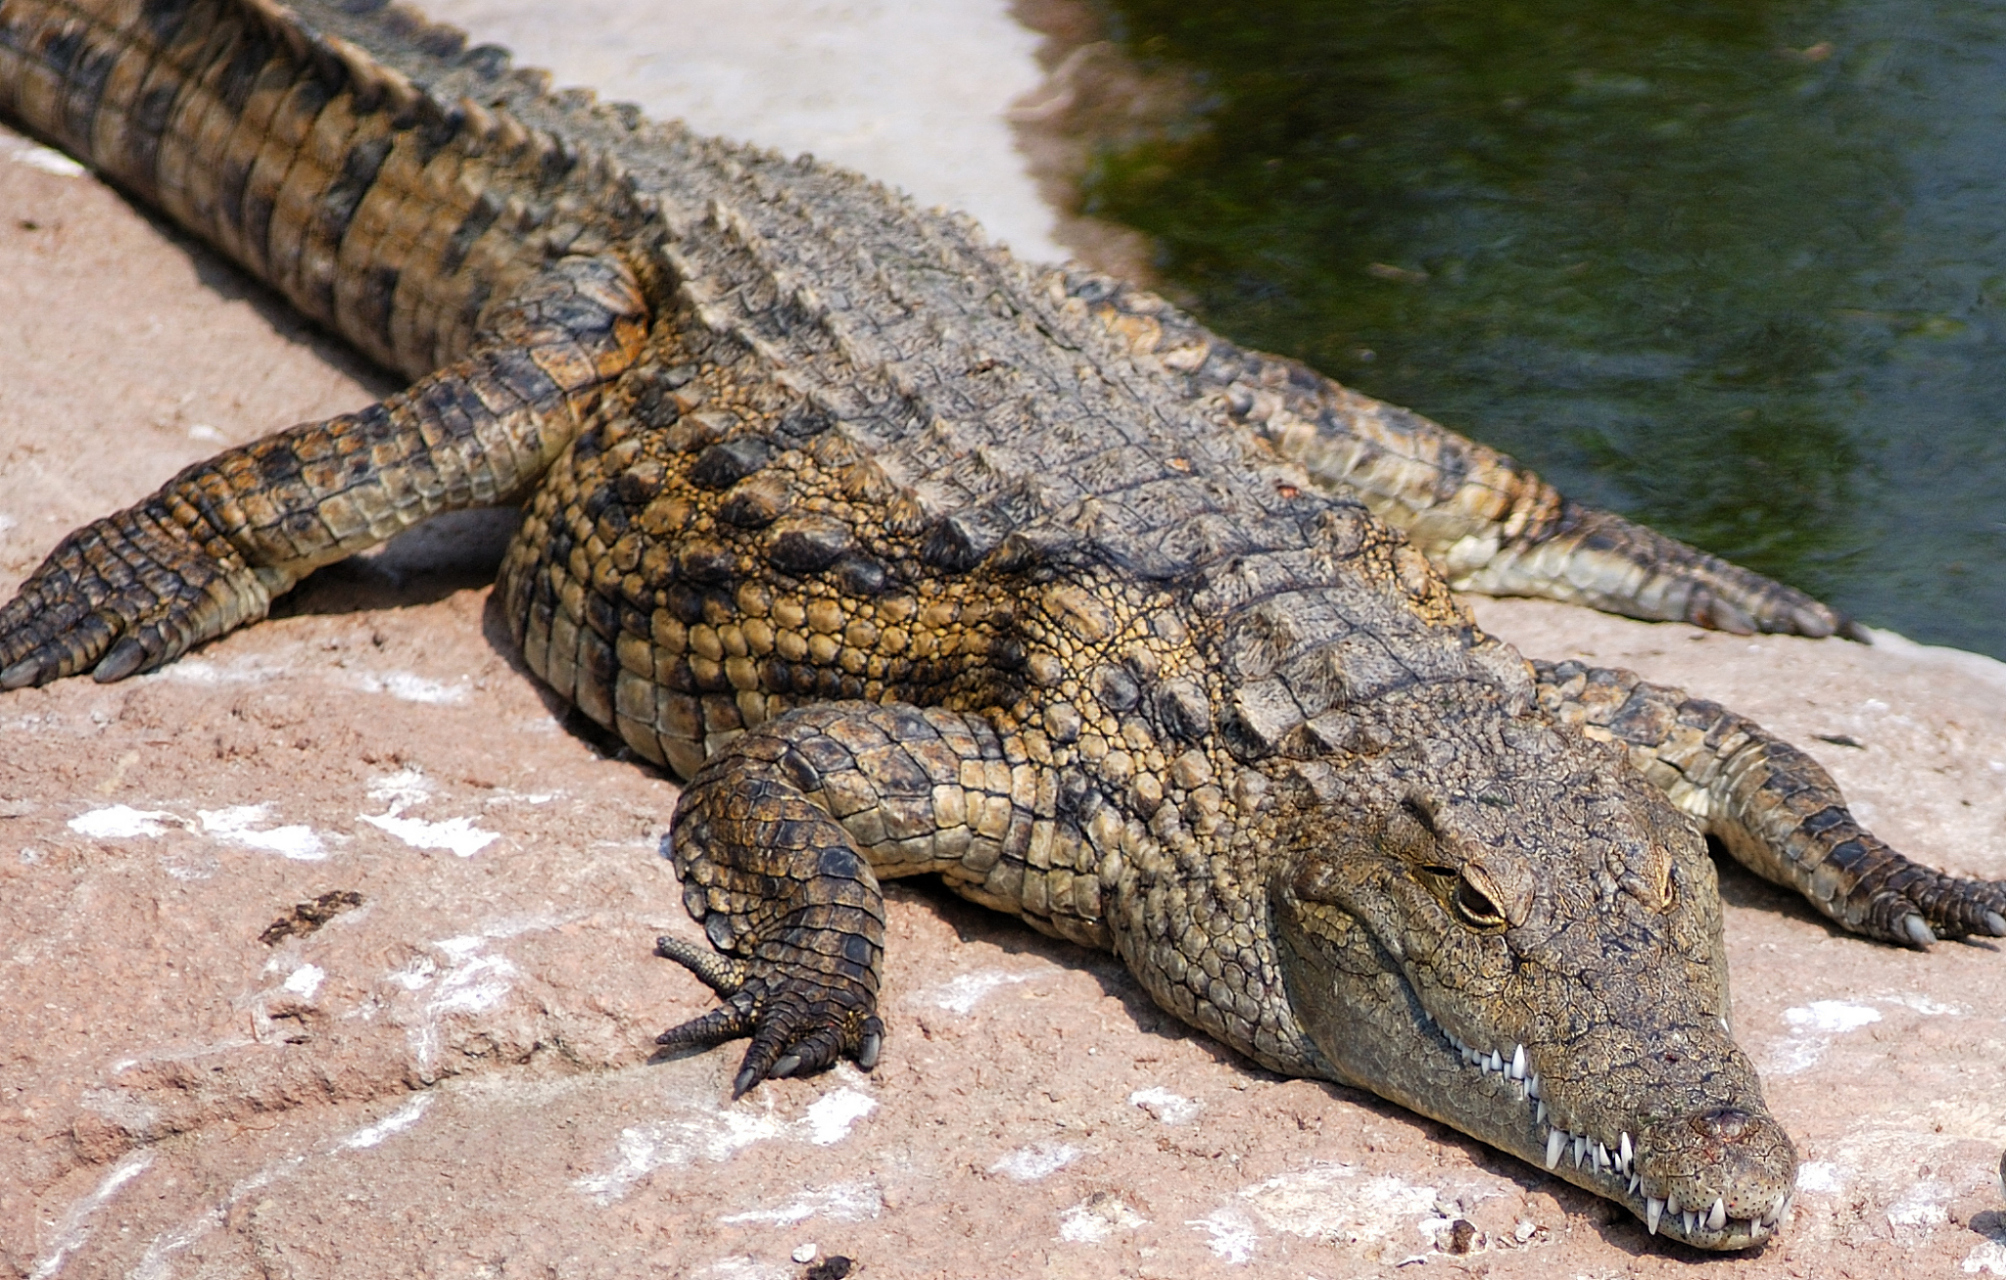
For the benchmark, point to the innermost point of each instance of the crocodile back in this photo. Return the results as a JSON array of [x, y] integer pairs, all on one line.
[[846, 402], [390, 209]]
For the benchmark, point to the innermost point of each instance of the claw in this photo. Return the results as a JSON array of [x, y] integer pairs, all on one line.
[[748, 1076], [126, 657], [1995, 924], [22, 674], [762, 1058], [1917, 931], [787, 1066], [726, 1022], [874, 1040]]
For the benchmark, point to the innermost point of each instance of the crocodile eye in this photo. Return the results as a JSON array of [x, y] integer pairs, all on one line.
[[1475, 906]]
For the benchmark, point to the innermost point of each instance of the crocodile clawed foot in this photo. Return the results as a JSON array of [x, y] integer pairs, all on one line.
[[1919, 906], [801, 1019], [126, 594]]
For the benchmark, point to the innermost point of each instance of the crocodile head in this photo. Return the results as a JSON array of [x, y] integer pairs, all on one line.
[[1517, 935]]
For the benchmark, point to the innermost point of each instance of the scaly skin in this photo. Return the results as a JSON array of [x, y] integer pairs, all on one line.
[[915, 560]]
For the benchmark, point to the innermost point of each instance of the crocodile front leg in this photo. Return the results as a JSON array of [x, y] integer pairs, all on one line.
[[781, 840], [1774, 807], [211, 549]]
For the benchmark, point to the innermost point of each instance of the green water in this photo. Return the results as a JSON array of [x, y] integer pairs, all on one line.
[[1735, 269]]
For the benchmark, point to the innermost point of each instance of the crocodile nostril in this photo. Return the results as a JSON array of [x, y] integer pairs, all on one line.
[[1723, 1124]]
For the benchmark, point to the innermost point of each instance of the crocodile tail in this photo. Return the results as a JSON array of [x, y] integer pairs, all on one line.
[[348, 154]]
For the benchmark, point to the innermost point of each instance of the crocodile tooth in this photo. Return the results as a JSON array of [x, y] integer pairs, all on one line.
[[1690, 1221], [1580, 1149], [1654, 1208], [1494, 1063], [1539, 1116], [1635, 1182], [1554, 1142], [1623, 1151], [1532, 1085], [1672, 1203], [1518, 1063], [1716, 1217], [1601, 1157]]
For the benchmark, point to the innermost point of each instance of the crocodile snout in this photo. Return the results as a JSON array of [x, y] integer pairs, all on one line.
[[1722, 1173]]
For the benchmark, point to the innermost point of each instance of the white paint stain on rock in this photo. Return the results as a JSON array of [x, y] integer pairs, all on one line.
[[1924, 1205], [1338, 1204], [407, 686], [304, 981], [1098, 1217], [712, 1136], [473, 984], [240, 825], [701, 1132], [1822, 1176], [396, 1122], [745, 1267], [467, 983], [1170, 1108], [244, 825], [122, 822], [1814, 1027], [254, 669], [76, 1225], [831, 1116], [158, 1262], [1989, 1258], [1231, 1232], [1925, 1006], [458, 835], [399, 791], [842, 1202], [962, 994], [1037, 1162]]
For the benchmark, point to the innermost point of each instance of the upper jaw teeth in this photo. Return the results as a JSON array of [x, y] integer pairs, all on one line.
[[1622, 1160]]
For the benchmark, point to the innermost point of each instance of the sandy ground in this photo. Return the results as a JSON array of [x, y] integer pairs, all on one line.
[[453, 1078]]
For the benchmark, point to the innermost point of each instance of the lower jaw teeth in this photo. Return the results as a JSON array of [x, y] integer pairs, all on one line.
[[1621, 1160]]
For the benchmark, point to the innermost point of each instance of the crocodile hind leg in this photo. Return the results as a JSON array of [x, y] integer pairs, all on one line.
[[1488, 523], [1774, 808], [781, 840], [211, 549]]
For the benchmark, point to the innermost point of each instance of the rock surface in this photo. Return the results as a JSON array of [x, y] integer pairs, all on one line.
[[454, 1078]]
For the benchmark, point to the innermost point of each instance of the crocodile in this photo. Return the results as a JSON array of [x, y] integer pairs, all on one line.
[[910, 558]]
